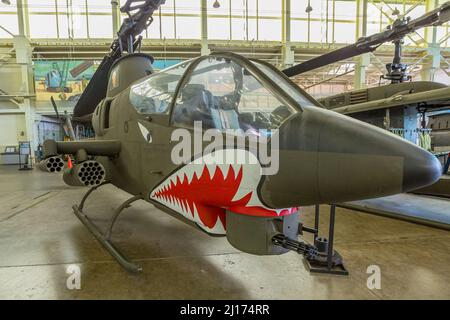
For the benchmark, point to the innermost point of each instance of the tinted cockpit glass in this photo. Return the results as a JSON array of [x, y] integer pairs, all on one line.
[[155, 93], [223, 95]]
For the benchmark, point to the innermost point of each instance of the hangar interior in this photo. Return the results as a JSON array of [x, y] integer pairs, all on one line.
[[51, 49]]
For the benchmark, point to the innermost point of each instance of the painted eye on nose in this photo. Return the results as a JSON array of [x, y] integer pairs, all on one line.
[[145, 133]]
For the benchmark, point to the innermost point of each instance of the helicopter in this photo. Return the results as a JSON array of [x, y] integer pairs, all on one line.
[[386, 106], [226, 144]]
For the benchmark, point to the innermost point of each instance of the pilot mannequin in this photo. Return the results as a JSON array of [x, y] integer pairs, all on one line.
[[195, 105]]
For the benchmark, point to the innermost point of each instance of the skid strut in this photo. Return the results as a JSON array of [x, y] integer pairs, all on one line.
[[105, 238], [327, 260], [320, 257]]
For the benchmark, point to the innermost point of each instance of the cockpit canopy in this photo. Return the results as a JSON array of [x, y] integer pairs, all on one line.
[[222, 91]]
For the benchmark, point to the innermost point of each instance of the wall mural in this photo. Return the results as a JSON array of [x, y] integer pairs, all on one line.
[[66, 79], [62, 79]]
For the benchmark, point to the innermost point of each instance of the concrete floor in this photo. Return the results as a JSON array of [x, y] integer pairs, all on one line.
[[40, 238], [428, 210]]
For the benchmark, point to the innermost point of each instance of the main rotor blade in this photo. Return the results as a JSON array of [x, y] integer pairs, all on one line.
[[95, 90], [55, 107], [398, 30], [328, 58]]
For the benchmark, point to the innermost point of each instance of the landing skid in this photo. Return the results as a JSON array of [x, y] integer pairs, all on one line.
[[105, 237]]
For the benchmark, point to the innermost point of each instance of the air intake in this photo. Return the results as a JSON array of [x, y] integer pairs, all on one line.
[[359, 96]]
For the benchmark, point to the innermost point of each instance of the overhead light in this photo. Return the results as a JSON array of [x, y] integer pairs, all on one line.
[[7, 2], [308, 9], [395, 12], [216, 4]]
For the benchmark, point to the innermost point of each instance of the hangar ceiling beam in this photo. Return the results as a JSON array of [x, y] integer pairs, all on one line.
[[433, 61], [115, 7], [24, 53], [287, 52], [204, 28], [22, 18], [362, 61]]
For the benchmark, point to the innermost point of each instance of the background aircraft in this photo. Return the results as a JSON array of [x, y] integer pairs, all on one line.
[[386, 106]]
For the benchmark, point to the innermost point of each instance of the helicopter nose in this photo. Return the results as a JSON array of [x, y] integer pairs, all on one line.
[[326, 157], [421, 169]]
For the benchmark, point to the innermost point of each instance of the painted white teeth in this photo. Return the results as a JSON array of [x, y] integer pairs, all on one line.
[[175, 205], [183, 208], [188, 208], [212, 169], [198, 168], [189, 174], [218, 227], [236, 169], [196, 217], [224, 168], [180, 208], [181, 177], [193, 169]]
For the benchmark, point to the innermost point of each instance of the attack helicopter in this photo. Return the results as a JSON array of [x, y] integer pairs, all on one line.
[[146, 123]]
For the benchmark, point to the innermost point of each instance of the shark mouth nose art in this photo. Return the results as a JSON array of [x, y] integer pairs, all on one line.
[[203, 190]]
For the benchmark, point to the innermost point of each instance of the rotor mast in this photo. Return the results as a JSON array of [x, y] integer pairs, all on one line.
[[139, 17]]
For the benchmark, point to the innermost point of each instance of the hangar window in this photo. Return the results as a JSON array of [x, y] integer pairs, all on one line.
[[155, 93], [223, 95]]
